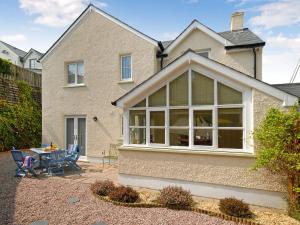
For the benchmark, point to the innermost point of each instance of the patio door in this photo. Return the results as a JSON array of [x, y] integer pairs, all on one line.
[[76, 133]]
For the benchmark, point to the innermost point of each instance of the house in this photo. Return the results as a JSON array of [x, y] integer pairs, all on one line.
[[183, 110], [27, 60]]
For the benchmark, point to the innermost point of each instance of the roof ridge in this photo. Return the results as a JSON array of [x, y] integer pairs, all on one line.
[[9, 45]]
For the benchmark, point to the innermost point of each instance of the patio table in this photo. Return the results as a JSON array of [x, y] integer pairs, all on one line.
[[42, 152]]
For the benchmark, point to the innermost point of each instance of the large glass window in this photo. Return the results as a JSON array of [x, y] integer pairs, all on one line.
[[158, 98], [137, 127], [75, 73], [179, 91], [126, 70], [202, 90], [213, 120], [157, 127]]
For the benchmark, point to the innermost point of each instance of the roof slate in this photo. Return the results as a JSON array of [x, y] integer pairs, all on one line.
[[18, 51], [293, 88], [238, 37]]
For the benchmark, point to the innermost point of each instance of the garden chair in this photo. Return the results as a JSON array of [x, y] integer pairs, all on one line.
[[23, 170], [71, 158], [44, 145], [54, 162]]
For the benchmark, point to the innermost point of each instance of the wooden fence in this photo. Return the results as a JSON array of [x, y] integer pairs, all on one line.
[[19, 73]]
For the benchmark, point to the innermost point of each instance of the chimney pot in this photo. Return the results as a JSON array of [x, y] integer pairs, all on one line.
[[237, 21]]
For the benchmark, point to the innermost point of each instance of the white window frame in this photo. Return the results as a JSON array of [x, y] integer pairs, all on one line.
[[76, 74], [202, 51], [246, 114], [121, 67], [35, 61]]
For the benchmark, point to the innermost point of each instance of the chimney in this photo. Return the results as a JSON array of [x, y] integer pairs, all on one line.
[[237, 21]]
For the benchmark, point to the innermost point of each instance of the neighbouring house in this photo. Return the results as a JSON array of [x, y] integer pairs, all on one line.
[[184, 110], [28, 60]]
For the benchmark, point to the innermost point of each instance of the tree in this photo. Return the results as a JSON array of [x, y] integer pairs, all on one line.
[[278, 148]]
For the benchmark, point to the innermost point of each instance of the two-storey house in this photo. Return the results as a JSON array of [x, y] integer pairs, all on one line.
[[184, 110]]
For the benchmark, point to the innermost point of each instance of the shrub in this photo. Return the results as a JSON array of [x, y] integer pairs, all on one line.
[[124, 194], [175, 198], [235, 207], [103, 188]]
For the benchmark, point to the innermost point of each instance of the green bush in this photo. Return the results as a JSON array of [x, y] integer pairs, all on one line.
[[124, 194], [174, 197], [102, 188], [235, 207], [5, 67], [21, 123]]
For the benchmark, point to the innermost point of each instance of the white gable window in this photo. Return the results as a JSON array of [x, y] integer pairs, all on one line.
[[204, 53], [126, 68], [192, 111], [75, 73], [32, 63]]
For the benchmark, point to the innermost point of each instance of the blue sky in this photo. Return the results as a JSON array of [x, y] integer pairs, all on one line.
[[38, 23]]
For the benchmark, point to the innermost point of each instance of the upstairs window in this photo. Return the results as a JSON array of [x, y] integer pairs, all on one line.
[[203, 53], [32, 63], [126, 67], [75, 73]]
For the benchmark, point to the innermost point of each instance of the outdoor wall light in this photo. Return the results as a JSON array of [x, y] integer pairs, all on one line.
[[95, 118]]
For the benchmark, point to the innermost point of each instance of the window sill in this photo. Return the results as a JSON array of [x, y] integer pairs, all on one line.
[[74, 85], [217, 152], [125, 81]]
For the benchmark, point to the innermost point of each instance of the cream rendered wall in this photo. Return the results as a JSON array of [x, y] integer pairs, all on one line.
[[99, 43], [241, 60], [33, 55], [230, 169]]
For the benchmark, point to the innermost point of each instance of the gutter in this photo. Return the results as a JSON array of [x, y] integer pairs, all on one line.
[[229, 47]]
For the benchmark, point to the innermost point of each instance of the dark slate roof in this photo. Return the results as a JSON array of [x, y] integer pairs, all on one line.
[[293, 88], [238, 38], [18, 51]]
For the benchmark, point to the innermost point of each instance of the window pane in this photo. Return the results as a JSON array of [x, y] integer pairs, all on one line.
[[71, 73], [80, 73], [227, 95], [203, 137], [202, 89], [230, 139], [157, 118], [126, 67], [179, 137], [204, 54], [141, 104], [137, 135], [179, 90], [157, 136], [203, 118], [158, 98], [230, 117], [137, 118], [179, 117]]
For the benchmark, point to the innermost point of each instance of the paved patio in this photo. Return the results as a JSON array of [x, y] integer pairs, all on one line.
[[68, 200]]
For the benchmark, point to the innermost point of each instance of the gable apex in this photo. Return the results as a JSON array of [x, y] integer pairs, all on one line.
[[196, 25], [87, 10]]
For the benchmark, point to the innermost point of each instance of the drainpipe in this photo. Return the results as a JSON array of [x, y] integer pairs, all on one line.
[[254, 59], [161, 55]]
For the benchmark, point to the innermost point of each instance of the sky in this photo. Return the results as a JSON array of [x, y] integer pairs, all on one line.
[[39, 23]]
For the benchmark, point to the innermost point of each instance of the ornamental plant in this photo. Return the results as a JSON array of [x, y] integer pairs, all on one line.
[[103, 188], [174, 197], [278, 149], [21, 123], [124, 194], [235, 207]]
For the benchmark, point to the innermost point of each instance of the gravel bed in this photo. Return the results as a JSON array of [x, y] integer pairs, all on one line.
[[25, 200]]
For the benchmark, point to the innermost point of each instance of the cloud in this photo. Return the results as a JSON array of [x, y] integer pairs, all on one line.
[[169, 36], [56, 13], [190, 1], [277, 14], [13, 38], [280, 58]]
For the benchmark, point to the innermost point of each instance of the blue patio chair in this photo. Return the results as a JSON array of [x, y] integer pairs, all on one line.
[[22, 170], [54, 162], [72, 157]]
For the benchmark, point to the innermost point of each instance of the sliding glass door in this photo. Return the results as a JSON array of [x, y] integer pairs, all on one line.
[[76, 133]]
